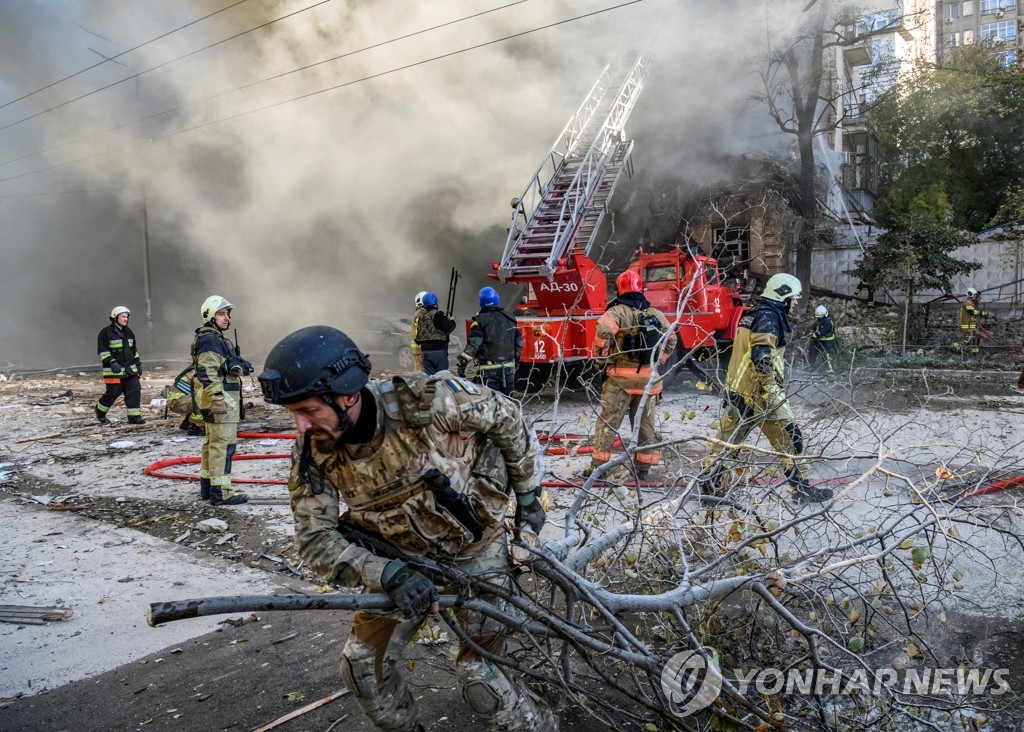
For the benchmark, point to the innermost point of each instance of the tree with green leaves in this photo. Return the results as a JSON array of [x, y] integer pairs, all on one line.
[[958, 128]]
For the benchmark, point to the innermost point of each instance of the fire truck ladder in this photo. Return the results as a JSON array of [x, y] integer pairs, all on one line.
[[566, 200]]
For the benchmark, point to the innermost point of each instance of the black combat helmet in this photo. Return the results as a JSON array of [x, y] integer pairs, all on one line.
[[315, 361]]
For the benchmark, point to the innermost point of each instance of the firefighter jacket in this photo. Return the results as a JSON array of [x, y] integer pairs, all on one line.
[[756, 365], [494, 339], [631, 370], [430, 329], [825, 333], [117, 346], [413, 424], [218, 394], [970, 311]]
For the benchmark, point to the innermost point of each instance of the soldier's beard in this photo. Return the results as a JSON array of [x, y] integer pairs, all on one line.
[[332, 439]]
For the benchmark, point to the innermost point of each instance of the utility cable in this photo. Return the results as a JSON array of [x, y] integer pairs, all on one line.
[[111, 58], [161, 65], [269, 78], [360, 80]]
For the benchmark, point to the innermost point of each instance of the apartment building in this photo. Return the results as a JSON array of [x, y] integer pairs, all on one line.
[[997, 22]]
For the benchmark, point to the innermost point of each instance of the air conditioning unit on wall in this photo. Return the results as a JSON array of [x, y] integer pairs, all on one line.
[[949, 20]]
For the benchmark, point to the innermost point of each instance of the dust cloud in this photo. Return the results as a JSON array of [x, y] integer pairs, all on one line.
[[334, 204]]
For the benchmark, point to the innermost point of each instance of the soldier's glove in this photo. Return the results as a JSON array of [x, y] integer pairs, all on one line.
[[219, 406], [463, 360], [411, 591], [530, 510]]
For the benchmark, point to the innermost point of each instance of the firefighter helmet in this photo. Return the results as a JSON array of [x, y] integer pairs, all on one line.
[[429, 300], [118, 310], [419, 298], [628, 281], [488, 297], [314, 361], [781, 287], [821, 311], [971, 292], [212, 305]]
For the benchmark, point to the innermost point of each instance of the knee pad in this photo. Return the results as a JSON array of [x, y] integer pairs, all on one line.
[[481, 698], [797, 437], [484, 688], [358, 662]]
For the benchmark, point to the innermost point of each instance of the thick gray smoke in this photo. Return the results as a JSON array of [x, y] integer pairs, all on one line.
[[336, 204]]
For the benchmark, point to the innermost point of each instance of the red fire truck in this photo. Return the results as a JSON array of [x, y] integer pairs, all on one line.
[[556, 219]]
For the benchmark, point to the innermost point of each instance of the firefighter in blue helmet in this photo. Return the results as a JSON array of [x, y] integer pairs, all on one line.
[[432, 329], [121, 367], [495, 341]]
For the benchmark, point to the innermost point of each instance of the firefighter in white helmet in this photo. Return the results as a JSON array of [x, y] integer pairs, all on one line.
[[823, 339], [119, 357], [753, 390], [970, 312], [218, 396]]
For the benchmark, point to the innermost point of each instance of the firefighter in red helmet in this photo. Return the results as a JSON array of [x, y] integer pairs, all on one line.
[[631, 340]]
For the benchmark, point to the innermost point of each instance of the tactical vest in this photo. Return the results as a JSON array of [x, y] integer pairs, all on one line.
[[384, 487], [499, 329], [425, 329]]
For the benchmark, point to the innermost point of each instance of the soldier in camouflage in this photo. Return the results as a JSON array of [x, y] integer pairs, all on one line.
[[391, 451]]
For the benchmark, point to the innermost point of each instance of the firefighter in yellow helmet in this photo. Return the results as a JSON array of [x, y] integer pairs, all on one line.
[[629, 336], [218, 396], [753, 390], [122, 368]]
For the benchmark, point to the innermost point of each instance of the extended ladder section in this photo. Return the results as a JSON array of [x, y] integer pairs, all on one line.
[[564, 203]]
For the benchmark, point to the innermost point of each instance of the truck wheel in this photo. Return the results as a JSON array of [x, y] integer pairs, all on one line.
[[405, 360], [531, 377]]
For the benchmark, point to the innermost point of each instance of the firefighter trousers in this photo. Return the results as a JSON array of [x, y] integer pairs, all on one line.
[[824, 350], [218, 450], [369, 662], [775, 421], [616, 402], [132, 390]]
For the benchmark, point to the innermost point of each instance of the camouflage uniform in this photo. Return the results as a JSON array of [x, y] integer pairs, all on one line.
[[754, 398], [626, 378], [418, 426], [218, 397]]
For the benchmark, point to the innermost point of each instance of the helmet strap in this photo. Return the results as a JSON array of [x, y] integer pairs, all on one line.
[[344, 421]]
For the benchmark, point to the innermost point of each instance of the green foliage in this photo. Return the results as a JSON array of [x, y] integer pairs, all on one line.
[[916, 253], [953, 136]]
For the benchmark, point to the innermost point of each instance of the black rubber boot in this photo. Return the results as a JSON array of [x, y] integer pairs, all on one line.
[[101, 416], [204, 489], [642, 474], [217, 498], [136, 419]]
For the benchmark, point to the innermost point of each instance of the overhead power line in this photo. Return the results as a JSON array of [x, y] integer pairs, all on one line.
[[161, 65], [269, 78], [111, 58], [360, 80]]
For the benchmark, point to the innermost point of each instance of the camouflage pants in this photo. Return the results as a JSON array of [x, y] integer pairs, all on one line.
[[218, 449], [374, 647], [775, 421], [615, 404]]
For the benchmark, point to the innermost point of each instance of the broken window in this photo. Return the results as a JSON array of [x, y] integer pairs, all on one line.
[[731, 247]]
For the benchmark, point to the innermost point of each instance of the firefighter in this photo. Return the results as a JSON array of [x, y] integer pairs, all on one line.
[[121, 367], [417, 354], [218, 396], [495, 341], [823, 339], [432, 329], [865, 287], [970, 311], [392, 454], [629, 336], [753, 390]]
